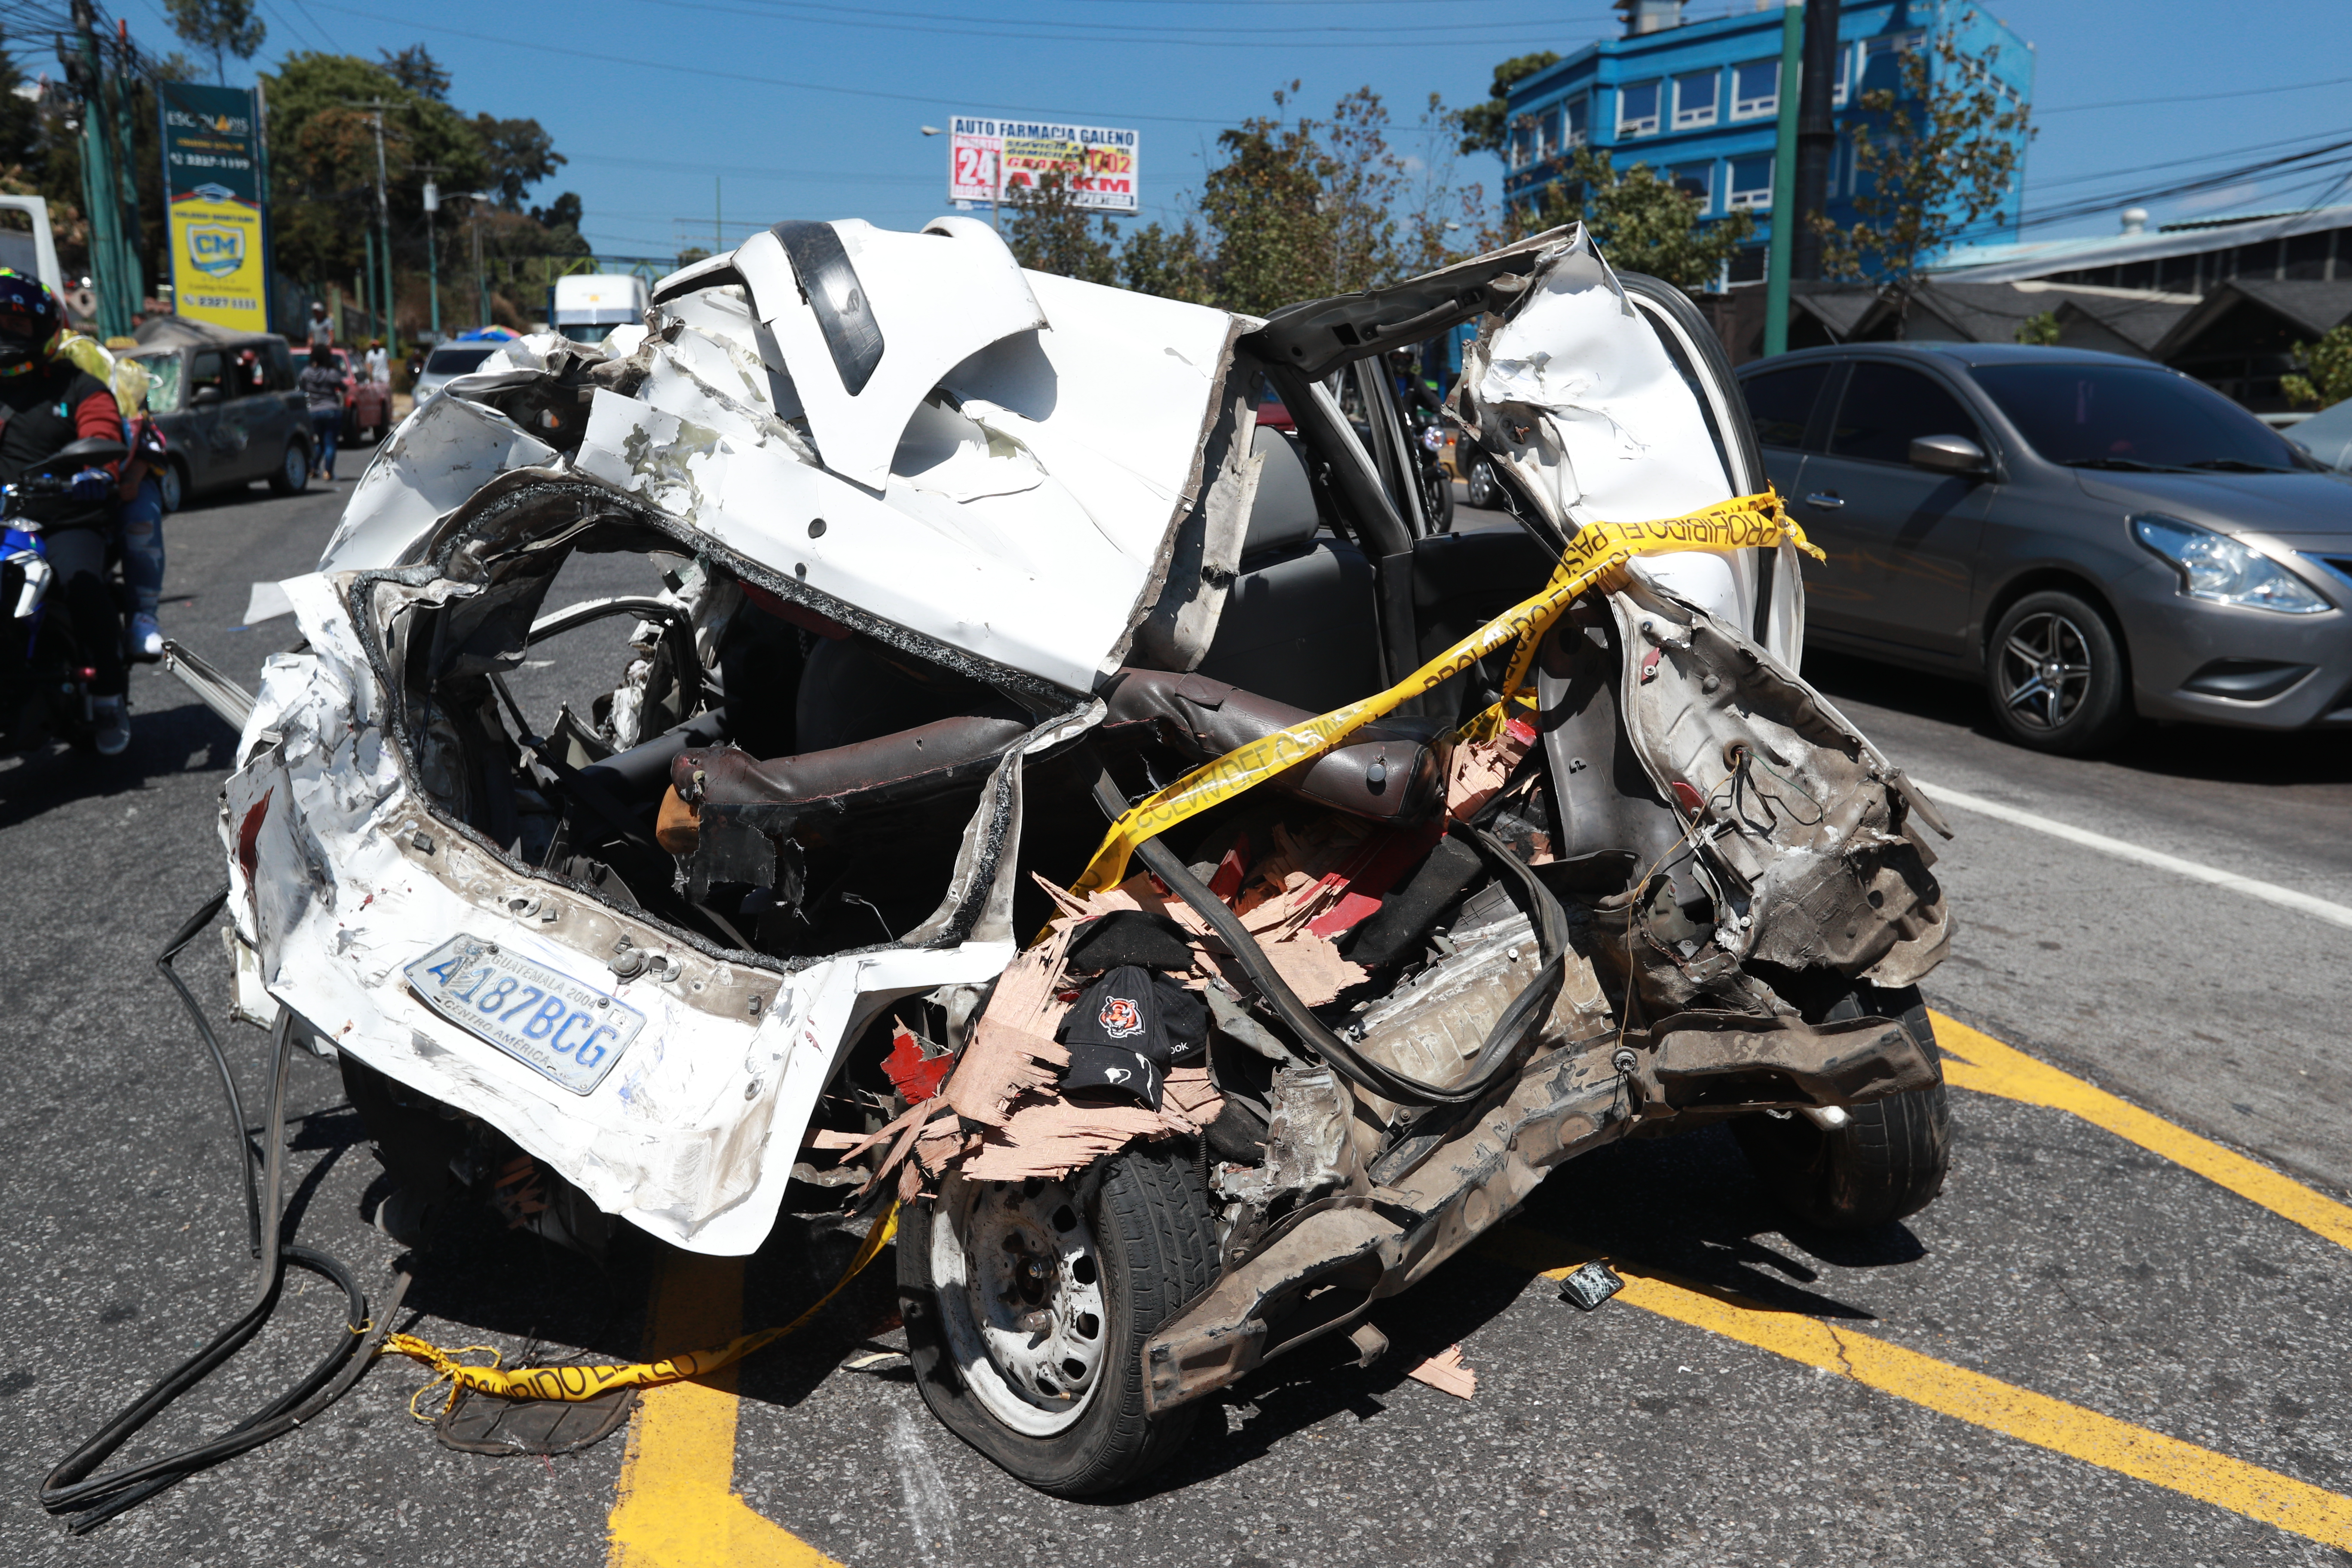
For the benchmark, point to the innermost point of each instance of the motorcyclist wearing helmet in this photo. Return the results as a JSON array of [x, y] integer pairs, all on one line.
[[47, 403]]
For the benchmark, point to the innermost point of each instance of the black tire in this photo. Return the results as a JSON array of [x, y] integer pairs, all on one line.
[[172, 479], [2055, 676], [292, 474], [1479, 483], [1146, 1216], [1439, 494], [1890, 1158]]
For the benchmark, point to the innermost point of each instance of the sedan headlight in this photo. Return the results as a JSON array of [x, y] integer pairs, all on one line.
[[2219, 569]]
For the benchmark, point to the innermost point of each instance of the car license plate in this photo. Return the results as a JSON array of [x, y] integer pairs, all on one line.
[[551, 1023]]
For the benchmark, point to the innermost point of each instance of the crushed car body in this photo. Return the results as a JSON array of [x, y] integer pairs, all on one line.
[[959, 568]]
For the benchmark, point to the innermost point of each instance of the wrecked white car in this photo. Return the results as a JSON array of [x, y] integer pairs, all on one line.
[[950, 564]]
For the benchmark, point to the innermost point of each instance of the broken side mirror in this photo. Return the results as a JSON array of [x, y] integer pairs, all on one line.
[[1949, 455]]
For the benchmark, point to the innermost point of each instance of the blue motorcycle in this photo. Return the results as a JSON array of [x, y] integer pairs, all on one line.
[[44, 674]]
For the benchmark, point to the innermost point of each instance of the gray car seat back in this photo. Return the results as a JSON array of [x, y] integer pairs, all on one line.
[[1283, 515]]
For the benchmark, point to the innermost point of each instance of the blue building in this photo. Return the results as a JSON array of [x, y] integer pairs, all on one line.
[[1700, 102]]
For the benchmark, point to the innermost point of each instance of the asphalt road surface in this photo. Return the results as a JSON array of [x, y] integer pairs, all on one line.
[[2085, 1352]]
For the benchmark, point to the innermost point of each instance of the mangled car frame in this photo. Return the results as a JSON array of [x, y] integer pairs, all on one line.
[[1058, 782]]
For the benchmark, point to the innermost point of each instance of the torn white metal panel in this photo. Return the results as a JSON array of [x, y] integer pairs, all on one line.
[[341, 878], [1033, 585], [868, 321], [1593, 415], [431, 464]]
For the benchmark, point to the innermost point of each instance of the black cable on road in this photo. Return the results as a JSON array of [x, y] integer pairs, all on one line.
[[70, 1489]]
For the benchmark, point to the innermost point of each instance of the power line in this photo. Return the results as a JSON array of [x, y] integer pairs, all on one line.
[[2195, 97], [815, 13]]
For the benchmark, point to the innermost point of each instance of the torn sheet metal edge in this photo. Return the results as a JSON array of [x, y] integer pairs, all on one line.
[[1578, 366]]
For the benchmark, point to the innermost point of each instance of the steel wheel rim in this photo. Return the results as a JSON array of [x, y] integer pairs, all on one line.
[[298, 466], [2045, 670], [168, 483], [1021, 1301]]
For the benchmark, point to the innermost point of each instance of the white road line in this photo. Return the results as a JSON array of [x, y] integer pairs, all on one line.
[[2269, 892]]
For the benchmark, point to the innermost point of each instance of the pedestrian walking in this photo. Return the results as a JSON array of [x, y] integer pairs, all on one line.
[[323, 392]]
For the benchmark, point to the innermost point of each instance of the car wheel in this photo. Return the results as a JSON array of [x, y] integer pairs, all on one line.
[[1479, 486], [1438, 492], [171, 482], [2054, 673], [1888, 1160], [1027, 1305], [293, 475]]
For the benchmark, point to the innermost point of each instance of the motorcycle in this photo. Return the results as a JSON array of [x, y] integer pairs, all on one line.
[[1436, 484], [44, 675], [1192, 890]]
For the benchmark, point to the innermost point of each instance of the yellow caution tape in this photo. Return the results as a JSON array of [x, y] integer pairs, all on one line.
[[1744, 522], [577, 1382]]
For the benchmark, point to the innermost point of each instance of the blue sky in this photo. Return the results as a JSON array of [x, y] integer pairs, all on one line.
[[658, 101]]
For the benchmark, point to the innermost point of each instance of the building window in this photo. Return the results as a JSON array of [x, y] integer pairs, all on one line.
[[1694, 96], [1747, 265], [1845, 76], [1695, 180], [1637, 109], [1751, 184], [1755, 90], [1523, 143], [1880, 68], [1578, 117]]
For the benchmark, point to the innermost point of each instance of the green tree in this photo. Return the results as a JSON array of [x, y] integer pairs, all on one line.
[[1484, 126], [2041, 328], [1172, 263], [1935, 157], [225, 27], [1642, 223], [415, 68], [1262, 207], [323, 167], [1050, 231], [2324, 373], [519, 152]]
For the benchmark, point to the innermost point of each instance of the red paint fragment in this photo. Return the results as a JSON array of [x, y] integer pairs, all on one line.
[[1690, 799], [248, 834], [914, 1075], [1231, 871], [1382, 859]]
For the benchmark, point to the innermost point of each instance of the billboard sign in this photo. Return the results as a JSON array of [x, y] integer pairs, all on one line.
[[988, 156], [211, 186]]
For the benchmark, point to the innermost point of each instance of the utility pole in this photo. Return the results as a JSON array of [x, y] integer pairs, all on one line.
[[381, 289], [432, 246], [481, 285], [113, 267], [1816, 133], [1784, 188]]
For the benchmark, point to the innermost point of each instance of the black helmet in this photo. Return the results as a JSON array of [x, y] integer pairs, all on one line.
[[30, 322]]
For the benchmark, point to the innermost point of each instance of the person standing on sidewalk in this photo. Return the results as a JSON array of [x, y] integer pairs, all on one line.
[[322, 326], [379, 364], [323, 393]]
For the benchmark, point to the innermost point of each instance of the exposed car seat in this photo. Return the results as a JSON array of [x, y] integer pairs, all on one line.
[[1298, 625], [1388, 773]]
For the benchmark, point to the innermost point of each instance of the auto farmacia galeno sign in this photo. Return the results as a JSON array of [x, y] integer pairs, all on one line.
[[989, 158]]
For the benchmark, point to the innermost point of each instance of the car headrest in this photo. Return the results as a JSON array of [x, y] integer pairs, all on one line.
[[1283, 514]]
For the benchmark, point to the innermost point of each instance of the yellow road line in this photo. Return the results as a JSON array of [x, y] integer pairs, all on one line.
[[1974, 1060], [677, 1507], [1957, 1392]]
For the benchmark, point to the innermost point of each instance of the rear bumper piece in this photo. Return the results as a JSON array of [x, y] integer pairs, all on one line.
[[1325, 1265]]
